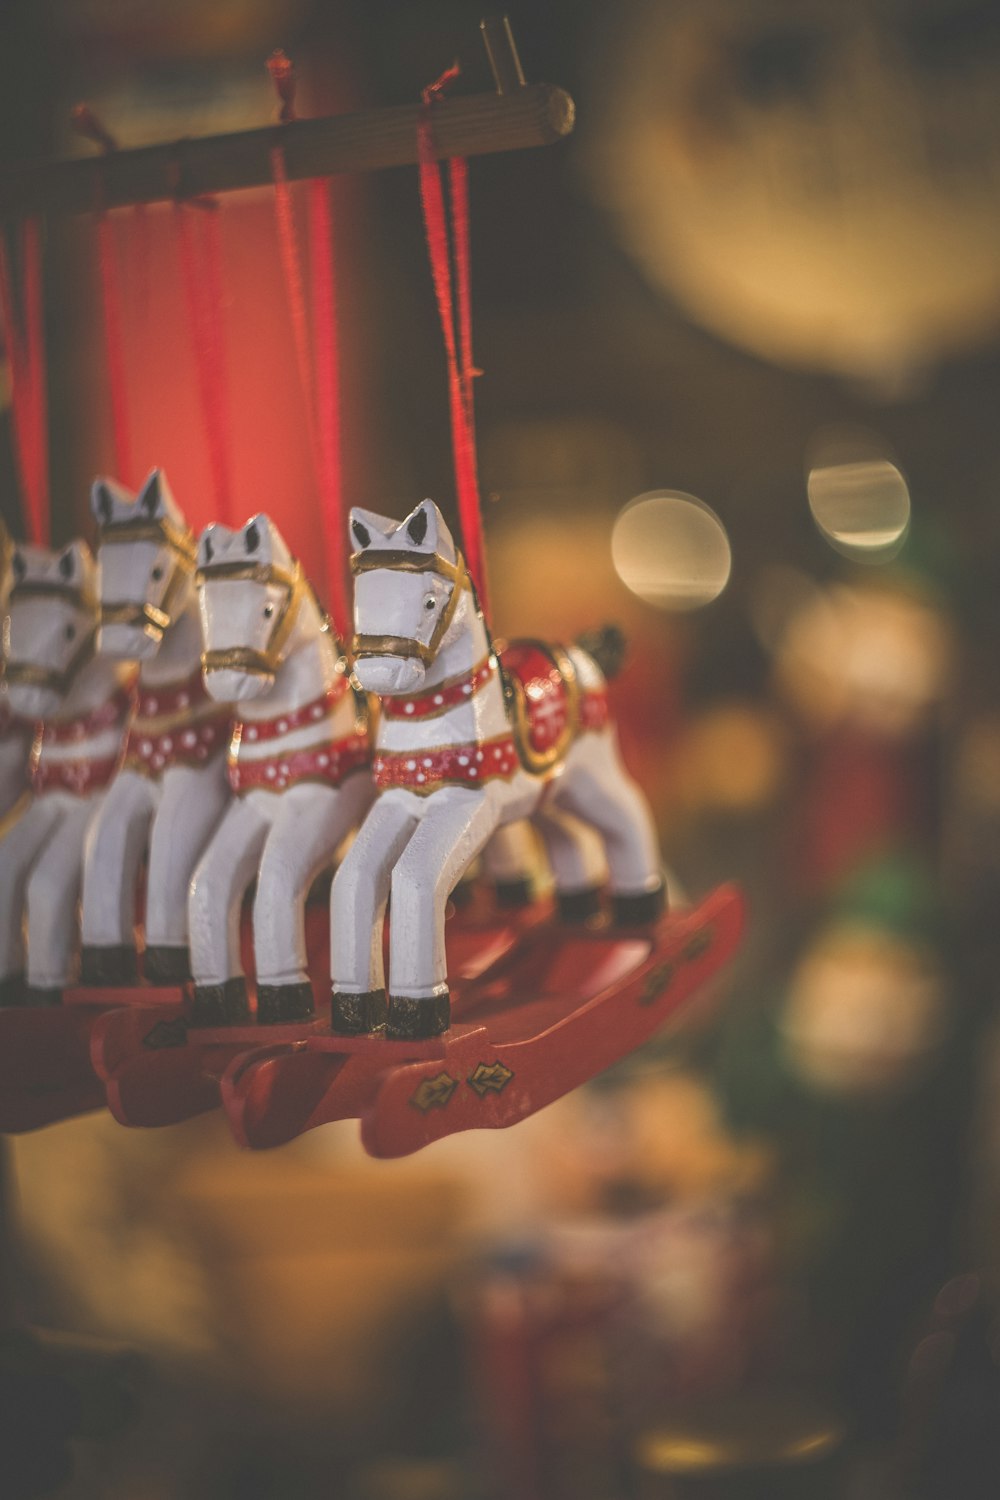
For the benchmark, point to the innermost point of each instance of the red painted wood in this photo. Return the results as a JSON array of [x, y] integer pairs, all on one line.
[[518, 1075], [45, 1072], [553, 1009]]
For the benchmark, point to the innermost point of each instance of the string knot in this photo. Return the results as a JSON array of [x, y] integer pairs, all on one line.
[[283, 77], [440, 86], [86, 123]]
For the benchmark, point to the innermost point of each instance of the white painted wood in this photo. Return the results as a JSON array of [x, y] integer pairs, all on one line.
[[53, 676], [286, 835], [417, 846], [164, 807]]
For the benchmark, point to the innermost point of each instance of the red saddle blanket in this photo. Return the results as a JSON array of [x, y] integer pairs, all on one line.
[[552, 694]]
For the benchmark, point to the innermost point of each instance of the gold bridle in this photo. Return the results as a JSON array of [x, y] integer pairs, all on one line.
[[30, 674], [152, 618], [412, 562], [265, 662]]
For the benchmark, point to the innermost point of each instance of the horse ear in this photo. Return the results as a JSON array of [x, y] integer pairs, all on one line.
[[207, 545], [151, 498], [365, 526], [416, 526], [424, 528], [67, 564], [251, 537], [101, 503]]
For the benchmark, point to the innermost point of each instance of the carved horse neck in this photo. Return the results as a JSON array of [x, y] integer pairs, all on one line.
[[179, 653], [98, 679], [308, 669], [479, 716]]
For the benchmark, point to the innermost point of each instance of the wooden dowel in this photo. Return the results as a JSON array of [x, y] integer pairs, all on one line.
[[536, 115]]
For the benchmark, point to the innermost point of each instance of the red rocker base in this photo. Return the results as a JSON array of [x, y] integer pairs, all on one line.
[[157, 1069], [548, 1014]]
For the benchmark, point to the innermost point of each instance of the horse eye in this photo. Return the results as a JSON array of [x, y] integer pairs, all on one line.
[[430, 602], [268, 611], [70, 632], [157, 573]]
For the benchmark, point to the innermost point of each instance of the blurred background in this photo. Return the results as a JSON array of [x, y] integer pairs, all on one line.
[[740, 338]]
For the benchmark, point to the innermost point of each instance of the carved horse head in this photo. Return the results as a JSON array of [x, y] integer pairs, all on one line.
[[409, 578], [50, 625], [146, 553], [250, 588]]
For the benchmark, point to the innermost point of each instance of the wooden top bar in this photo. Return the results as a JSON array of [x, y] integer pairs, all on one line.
[[534, 115]]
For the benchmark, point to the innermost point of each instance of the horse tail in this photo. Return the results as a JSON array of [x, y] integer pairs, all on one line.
[[607, 645]]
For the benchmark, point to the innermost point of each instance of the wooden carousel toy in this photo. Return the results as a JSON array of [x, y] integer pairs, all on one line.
[[492, 1008], [167, 798], [81, 703]]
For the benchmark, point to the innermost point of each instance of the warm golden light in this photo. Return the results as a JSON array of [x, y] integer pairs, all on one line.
[[671, 550], [861, 508]]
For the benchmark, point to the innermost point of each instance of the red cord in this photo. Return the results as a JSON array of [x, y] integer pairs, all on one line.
[[114, 348], [204, 281], [319, 367], [454, 307], [327, 352], [26, 356]]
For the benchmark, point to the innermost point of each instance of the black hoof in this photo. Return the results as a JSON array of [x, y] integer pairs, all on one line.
[[40, 997], [357, 1014], [512, 894], [166, 965], [109, 966], [578, 907], [12, 990], [640, 910], [412, 1020], [279, 1004], [220, 1004]]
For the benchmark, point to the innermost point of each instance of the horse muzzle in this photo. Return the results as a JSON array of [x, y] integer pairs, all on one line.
[[237, 673]]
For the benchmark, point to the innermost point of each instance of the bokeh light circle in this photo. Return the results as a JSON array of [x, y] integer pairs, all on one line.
[[862, 508], [671, 550]]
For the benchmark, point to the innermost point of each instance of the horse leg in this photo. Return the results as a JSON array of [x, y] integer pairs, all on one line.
[[454, 828], [191, 804], [357, 912], [19, 849], [115, 843], [597, 788], [576, 857], [509, 860], [311, 823], [51, 899], [220, 881]]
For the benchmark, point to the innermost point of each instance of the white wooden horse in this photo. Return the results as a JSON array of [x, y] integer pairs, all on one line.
[[462, 749], [299, 767], [82, 703], [172, 789], [16, 735]]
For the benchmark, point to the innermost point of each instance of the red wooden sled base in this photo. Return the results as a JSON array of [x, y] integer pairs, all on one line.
[[557, 1008], [157, 1069]]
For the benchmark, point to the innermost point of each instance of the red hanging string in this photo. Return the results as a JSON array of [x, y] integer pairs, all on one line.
[[454, 308], [26, 356], [87, 123], [318, 368], [204, 281]]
